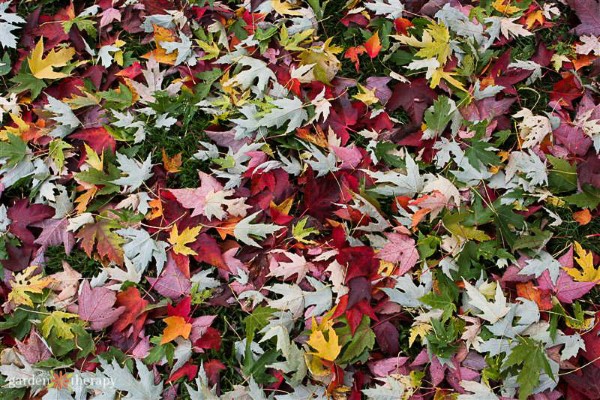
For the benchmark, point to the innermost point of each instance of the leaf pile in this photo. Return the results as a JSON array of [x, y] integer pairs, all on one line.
[[382, 199]]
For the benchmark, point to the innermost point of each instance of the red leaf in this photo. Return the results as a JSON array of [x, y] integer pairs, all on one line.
[[134, 311], [22, 215], [97, 138]]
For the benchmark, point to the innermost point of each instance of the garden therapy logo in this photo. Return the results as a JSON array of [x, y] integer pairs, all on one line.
[[61, 380]]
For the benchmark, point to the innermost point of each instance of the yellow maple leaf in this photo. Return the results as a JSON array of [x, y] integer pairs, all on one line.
[[440, 74], [24, 282], [435, 43], [326, 349], [284, 8], [366, 96], [504, 7], [179, 241], [585, 259], [536, 16], [419, 330], [176, 326], [43, 68]]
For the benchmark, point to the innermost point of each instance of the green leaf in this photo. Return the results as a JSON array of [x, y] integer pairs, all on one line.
[[536, 240], [55, 322], [56, 152], [454, 224], [588, 198], [477, 152], [439, 115], [258, 368], [563, 176], [355, 345], [256, 321], [5, 64], [530, 357], [117, 98], [300, 232], [14, 150], [26, 82], [506, 221]]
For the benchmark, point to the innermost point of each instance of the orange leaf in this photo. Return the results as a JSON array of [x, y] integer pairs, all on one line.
[[373, 45], [157, 209], [171, 164], [352, 54], [583, 217], [583, 61], [530, 292], [162, 35], [176, 326]]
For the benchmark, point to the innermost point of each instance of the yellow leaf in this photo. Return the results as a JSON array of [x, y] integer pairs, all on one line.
[[92, 158], [325, 349], [440, 74], [435, 43], [56, 322], [504, 7], [536, 16], [585, 260], [23, 282], [366, 96], [284, 8], [210, 50], [419, 330], [176, 326], [43, 68], [179, 241]]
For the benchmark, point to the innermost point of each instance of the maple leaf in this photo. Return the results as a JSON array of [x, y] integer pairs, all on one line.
[[210, 199], [54, 233], [137, 173], [172, 283], [433, 44], [491, 312], [137, 389], [244, 228], [134, 313], [325, 348], [56, 322], [533, 128], [400, 248], [373, 45], [392, 9], [529, 355], [585, 260], [67, 282], [286, 110], [297, 266], [96, 306], [179, 241], [176, 326], [284, 8], [43, 68], [8, 23], [24, 282], [101, 234], [588, 12]]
